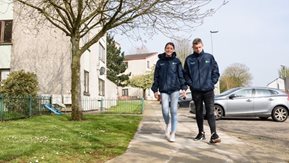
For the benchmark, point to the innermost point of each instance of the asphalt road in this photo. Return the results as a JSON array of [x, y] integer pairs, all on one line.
[[267, 132], [266, 136]]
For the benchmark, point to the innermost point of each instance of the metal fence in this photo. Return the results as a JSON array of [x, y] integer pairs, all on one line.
[[134, 106], [23, 107]]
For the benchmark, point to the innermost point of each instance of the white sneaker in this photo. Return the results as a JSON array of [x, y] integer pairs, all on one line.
[[172, 137]]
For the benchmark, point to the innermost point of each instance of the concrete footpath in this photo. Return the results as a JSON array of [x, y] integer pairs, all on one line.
[[150, 145]]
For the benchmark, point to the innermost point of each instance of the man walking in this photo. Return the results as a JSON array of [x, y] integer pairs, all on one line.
[[201, 74]]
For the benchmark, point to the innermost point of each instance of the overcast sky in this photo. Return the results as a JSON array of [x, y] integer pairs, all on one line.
[[251, 32]]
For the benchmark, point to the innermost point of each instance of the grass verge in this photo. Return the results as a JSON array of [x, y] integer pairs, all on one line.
[[130, 107], [52, 138]]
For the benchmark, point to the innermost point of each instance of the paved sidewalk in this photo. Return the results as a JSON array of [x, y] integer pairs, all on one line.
[[150, 145]]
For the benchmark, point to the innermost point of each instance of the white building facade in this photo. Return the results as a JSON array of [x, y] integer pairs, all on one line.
[[6, 25], [277, 83], [138, 64], [46, 51]]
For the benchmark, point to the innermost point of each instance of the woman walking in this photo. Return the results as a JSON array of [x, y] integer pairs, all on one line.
[[169, 80]]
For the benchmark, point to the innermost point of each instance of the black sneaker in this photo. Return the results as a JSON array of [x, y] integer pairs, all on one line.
[[200, 136], [215, 138]]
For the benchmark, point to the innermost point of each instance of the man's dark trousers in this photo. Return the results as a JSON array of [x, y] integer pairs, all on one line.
[[206, 97]]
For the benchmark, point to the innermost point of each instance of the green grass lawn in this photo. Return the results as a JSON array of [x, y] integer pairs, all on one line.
[[133, 107], [57, 139]]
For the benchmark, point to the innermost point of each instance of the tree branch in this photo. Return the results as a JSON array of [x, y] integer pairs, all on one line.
[[47, 16]]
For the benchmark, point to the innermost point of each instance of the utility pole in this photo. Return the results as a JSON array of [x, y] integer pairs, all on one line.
[[212, 46], [217, 86], [286, 83]]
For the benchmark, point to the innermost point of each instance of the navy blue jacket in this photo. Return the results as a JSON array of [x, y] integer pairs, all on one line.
[[168, 76], [201, 71]]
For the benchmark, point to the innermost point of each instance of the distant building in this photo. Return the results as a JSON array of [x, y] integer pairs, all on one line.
[[278, 83], [138, 64], [217, 88]]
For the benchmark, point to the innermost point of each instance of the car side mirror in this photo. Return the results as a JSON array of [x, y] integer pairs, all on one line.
[[232, 96]]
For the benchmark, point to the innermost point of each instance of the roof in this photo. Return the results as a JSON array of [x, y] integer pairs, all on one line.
[[139, 56], [274, 81]]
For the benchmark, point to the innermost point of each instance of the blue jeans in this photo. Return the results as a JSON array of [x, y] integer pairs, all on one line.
[[173, 100]]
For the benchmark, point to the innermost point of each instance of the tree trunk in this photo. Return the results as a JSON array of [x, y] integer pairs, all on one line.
[[76, 113], [144, 94]]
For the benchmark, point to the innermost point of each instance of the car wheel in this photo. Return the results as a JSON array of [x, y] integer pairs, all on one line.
[[280, 114], [218, 112], [263, 118]]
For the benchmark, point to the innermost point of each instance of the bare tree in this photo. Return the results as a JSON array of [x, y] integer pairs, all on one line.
[[78, 18], [183, 48], [141, 49], [236, 75]]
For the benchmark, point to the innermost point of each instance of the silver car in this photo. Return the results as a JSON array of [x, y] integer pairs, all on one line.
[[259, 102]]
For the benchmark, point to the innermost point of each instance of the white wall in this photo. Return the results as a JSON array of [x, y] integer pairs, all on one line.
[[153, 60], [139, 67], [6, 13], [136, 67], [101, 63], [110, 90], [217, 88], [5, 56], [278, 83], [91, 63], [110, 94], [6, 9], [44, 50]]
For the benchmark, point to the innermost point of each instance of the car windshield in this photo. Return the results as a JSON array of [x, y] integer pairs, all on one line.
[[229, 91]]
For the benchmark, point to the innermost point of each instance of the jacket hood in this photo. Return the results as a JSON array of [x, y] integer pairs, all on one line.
[[163, 56]]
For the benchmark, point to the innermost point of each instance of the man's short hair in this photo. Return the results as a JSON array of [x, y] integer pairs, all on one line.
[[197, 41]]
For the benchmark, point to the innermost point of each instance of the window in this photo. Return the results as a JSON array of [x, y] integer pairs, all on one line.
[[101, 52], [86, 83], [228, 91], [101, 87], [148, 64], [4, 74], [6, 31], [244, 93], [273, 92], [125, 92], [262, 93]]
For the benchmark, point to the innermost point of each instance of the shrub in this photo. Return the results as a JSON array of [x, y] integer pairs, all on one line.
[[20, 83], [16, 89]]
